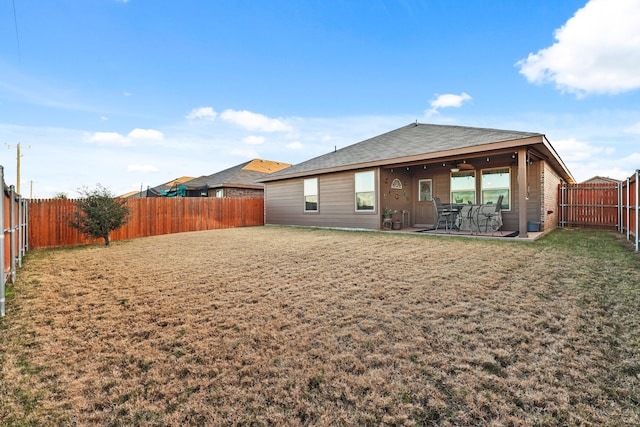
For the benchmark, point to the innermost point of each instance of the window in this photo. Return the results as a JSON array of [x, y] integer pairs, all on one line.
[[424, 190], [311, 195], [365, 191], [220, 192], [463, 187], [496, 183]]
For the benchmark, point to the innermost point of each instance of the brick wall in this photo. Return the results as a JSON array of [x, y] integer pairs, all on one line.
[[549, 183]]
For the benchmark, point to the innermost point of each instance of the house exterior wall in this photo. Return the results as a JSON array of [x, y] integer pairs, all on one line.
[[550, 183], [284, 203], [396, 199], [234, 192]]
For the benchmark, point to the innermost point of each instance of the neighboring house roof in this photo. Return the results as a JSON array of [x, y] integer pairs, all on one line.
[[167, 186], [134, 193], [173, 184], [601, 180], [418, 142], [244, 175]]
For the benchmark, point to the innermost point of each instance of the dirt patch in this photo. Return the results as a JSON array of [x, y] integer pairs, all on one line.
[[286, 326]]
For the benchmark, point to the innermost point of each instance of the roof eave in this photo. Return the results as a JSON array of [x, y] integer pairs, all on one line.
[[458, 152]]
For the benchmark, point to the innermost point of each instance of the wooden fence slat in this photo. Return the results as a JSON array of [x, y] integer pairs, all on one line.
[[589, 205], [49, 218]]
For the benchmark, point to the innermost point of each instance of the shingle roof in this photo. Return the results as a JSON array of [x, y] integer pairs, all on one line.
[[244, 174], [411, 140]]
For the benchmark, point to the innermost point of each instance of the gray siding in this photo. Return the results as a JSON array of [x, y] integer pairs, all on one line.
[[336, 200]]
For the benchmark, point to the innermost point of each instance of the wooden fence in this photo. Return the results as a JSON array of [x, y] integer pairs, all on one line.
[[49, 219], [604, 206], [589, 205], [13, 217], [630, 208]]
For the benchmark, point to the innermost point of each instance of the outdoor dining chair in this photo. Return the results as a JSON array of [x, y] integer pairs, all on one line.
[[493, 217], [443, 215]]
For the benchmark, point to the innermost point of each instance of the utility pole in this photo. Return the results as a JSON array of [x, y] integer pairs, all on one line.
[[17, 166]]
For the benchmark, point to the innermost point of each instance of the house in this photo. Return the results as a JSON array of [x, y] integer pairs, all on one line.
[[601, 180], [168, 188], [404, 169], [238, 181]]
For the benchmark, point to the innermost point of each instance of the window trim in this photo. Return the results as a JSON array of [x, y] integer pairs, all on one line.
[[430, 195], [509, 189], [373, 191], [475, 185], [305, 195]]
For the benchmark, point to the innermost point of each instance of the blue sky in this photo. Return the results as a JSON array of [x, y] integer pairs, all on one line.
[[136, 93]]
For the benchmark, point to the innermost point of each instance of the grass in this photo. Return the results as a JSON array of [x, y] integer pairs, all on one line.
[[282, 326]]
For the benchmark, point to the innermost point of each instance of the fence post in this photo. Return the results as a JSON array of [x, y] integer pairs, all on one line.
[[620, 208], [637, 208], [628, 209], [12, 235], [2, 280]]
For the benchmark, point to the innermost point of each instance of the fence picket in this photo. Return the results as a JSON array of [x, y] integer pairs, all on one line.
[[49, 218]]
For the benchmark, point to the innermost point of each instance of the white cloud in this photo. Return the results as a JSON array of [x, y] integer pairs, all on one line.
[[149, 134], [104, 118], [115, 138], [572, 150], [296, 145], [108, 138], [596, 51], [142, 168], [243, 152], [635, 129], [254, 140], [204, 113], [255, 121], [446, 101], [125, 93]]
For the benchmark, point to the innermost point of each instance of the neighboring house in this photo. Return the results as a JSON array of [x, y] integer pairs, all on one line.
[[406, 168], [601, 180], [238, 181], [168, 188]]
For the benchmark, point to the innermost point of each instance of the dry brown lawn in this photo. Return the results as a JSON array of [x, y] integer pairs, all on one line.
[[288, 326]]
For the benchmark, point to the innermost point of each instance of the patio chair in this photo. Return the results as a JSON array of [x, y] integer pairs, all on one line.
[[442, 215], [493, 216], [468, 218]]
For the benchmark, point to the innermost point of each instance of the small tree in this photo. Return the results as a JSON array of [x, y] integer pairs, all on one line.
[[98, 213]]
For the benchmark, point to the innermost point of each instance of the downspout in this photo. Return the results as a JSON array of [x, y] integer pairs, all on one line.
[[522, 193]]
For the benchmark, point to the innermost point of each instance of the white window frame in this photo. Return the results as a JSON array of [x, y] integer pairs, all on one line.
[[364, 187], [310, 191], [425, 196], [462, 190], [507, 199], [220, 192]]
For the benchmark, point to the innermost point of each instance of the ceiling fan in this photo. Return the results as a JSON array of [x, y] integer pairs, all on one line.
[[465, 166]]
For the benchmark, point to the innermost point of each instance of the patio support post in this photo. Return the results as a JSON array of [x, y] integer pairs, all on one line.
[[522, 192]]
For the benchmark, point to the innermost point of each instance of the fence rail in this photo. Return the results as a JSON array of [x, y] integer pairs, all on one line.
[[49, 218]]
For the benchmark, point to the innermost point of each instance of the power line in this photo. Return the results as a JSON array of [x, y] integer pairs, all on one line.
[[15, 21]]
